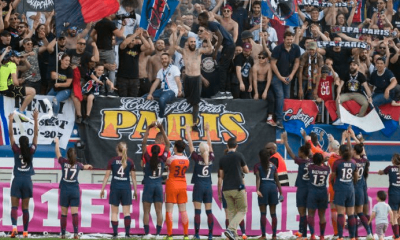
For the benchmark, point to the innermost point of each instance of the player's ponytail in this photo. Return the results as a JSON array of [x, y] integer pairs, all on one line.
[[345, 152], [204, 151], [25, 150], [264, 156], [155, 150], [71, 155], [359, 148], [123, 149]]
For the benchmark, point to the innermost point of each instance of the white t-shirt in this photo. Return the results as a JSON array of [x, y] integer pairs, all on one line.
[[381, 210], [168, 82], [272, 36], [131, 24]]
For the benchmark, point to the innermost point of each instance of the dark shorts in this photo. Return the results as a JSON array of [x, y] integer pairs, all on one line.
[[202, 193], [152, 193], [224, 205], [394, 201], [69, 197], [344, 198], [14, 91], [35, 85], [145, 86], [270, 196], [301, 197], [192, 89], [22, 188], [120, 196], [317, 199], [360, 194]]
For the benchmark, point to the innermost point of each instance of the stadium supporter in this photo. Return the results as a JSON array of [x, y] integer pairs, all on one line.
[[21, 185], [32, 75], [144, 73], [153, 164], [254, 18], [266, 28], [192, 79], [302, 182], [262, 76], [247, 37], [352, 90], [128, 69], [73, 36], [103, 34], [284, 63], [310, 66], [69, 187], [279, 162], [227, 22], [394, 191], [202, 189], [155, 64], [175, 189], [227, 53], [383, 14], [10, 24], [61, 84], [380, 213], [325, 87], [242, 86], [5, 39], [317, 197], [54, 53], [267, 185], [10, 84], [231, 168], [171, 86], [384, 81], [340, 57], [122, 169]]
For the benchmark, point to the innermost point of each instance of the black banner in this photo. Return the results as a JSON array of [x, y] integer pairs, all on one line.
[[126, 119], [38, 5]]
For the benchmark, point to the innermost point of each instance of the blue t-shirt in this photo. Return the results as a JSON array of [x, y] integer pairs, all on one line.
[[22, 169], [120, 176], [381, 82], [394, 179], [202, 172], [302, 174], [154, 177], [70, 173], [267, 178], [318, 176], [344, 175], [285, 60]]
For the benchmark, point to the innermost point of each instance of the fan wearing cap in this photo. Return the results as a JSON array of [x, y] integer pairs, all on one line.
[[9, 83], [5, 39], [352, 90], [247, 37], [262, 76], [227, 22], [241, 84], [228, 49], [192, 79], [72, 37], [309, 71]]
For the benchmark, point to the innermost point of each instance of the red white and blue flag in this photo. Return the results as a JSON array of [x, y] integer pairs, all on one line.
[[79, 12], [285, 11], [156, 14]]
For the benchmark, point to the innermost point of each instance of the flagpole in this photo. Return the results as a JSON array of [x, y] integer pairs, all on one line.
[[57, 59], [249, 5]]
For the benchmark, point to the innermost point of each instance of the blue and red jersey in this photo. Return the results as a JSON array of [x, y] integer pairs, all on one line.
[[344, 174], [201, 171], [120, 176], [318, 176], [150, 176], [70, 173], [394, 179], [302, 175], [22, 169]]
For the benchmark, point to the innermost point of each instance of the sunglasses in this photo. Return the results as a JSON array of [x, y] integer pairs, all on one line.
[[200, 31], [20, 27], [81, 43], [227, 10], [29, 44], [261, 57]]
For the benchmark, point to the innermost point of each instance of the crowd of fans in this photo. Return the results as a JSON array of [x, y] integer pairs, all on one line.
[[238, 52]]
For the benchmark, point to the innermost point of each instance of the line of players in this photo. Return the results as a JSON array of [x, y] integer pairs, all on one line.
[[346, 175]]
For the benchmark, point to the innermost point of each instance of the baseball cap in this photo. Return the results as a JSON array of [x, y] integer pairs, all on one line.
[[227, 6], [5, 33], [353, 60], [325, 69], [312, 45], [246, 46], [246, 34], [72, 27]]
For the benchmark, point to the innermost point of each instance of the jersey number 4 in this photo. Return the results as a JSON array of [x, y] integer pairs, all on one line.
[[121, 171]]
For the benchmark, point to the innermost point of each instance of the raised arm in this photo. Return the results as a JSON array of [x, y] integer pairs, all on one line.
[[10, 128], [57, 148], [189, 139], [36, 127], [146, 135], [207, 130], [165, 137], [285, 141]]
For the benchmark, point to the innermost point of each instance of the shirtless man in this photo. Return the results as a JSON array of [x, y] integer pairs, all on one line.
[[155, 62], [192, 81], [384, 13], [72, 37], [364, 61], [262, 76], [227, 22], [144, 58], [247, 37]]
